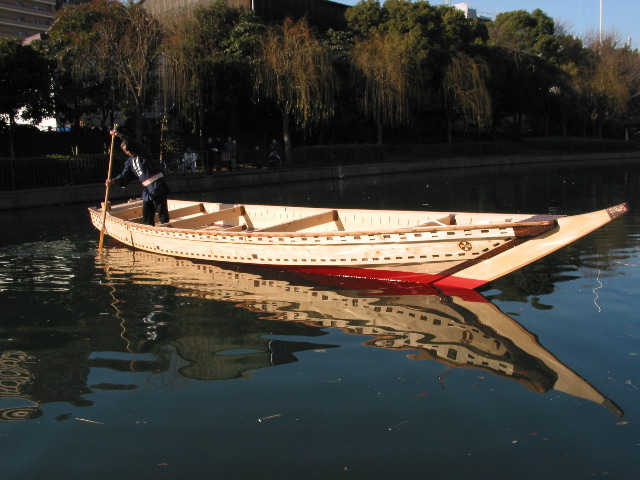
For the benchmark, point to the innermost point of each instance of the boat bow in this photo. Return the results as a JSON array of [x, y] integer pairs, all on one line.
[[518, 254]]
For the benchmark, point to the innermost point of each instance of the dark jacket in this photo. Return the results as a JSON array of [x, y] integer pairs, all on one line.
[[142, 169]]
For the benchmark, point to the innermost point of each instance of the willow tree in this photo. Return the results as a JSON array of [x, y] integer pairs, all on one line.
[[387, 78], [466, 91], [205, 55], [128, 44], [401, 48], [294, 70], [608, 81]]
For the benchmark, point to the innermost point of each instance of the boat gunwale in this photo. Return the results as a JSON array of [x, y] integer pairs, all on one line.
[[333, 233]]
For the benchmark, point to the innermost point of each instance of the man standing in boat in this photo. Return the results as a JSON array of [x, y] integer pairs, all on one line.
[[142, 166]]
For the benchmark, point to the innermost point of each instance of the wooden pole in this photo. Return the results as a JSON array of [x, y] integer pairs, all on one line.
[[105, 205]]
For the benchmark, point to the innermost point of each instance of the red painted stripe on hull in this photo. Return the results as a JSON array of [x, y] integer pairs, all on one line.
[[448, 285], [388, 275], [458, 282]]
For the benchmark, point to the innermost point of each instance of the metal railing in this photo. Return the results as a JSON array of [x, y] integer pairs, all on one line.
[[39, 172]]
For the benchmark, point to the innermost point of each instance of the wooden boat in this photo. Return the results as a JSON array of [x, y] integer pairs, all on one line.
[[441, 248], [461, 329]]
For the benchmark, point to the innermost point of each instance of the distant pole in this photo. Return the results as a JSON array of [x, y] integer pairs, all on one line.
[[600, 21]]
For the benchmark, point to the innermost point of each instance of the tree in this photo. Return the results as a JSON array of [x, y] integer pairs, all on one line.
[[25, 82], [401, 52], [129, 45], [208, 57], [365, 17], [295, 71], [108, 41], [466, 90], [466, 75], [388, 76], [571, 55], [458, 32], [608, 81], [522, 32], [529, 39], [391, 44], [81, 89]]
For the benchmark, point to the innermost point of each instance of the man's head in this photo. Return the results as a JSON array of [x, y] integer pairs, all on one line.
[[130, 147]]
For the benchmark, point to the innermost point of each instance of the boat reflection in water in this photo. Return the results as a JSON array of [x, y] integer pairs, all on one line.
[[459, 328]]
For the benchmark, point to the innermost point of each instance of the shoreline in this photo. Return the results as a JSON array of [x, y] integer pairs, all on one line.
[[94, 193]]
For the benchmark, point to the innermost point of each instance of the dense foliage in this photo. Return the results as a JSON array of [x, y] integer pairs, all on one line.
[[24, 86], [401, 71]]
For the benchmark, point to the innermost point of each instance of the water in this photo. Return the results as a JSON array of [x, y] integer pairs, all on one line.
[[131, 365]]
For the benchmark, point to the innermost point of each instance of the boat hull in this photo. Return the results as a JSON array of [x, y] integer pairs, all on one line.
[[415, 247]]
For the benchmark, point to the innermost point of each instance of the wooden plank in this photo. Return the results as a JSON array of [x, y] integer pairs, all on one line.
[[235, 228], [442, 221], [128, 210], [126, 206], [131, 214], [306, 222], [134, 214], [223, 228], [209, 218], [475, 226], [190, 210]]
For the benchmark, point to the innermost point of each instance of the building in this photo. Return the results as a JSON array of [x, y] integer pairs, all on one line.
[[323, 14], [32, 18], [470, 12], [26, 18]]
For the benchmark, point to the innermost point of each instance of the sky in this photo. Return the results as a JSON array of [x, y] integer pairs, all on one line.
[[580, 17]]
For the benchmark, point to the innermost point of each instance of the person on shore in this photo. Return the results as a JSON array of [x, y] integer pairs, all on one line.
[[234, 155], [273, 154], [190, 160], [257, 158], [218, 147], [209, 155], [141, 165], [230, 153]]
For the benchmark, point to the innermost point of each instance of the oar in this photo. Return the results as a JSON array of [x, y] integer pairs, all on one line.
[[105, 205]]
